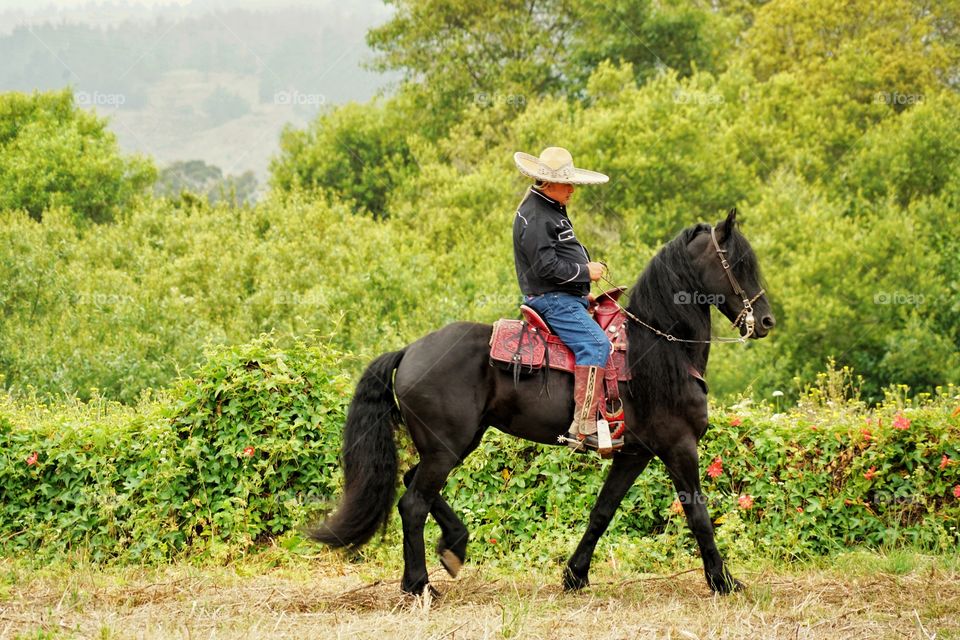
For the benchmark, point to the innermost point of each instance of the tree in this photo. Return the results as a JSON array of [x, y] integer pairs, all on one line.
[[460, 52], [358, 152], [53, 153]]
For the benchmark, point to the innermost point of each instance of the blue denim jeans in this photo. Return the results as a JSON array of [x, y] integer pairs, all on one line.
[[566, 315]]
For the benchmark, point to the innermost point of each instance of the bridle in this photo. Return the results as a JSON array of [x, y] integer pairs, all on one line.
[[746, 313], [745, 317]]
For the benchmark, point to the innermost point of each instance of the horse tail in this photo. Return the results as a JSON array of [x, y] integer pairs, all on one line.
[[369, 459]]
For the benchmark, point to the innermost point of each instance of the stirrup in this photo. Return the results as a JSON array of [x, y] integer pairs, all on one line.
[[583, 444]]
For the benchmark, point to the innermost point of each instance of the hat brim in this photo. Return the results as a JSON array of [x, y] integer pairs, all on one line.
[[531, 167]]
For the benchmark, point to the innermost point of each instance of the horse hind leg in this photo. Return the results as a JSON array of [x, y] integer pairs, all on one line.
[[417, 502], [452, 544]]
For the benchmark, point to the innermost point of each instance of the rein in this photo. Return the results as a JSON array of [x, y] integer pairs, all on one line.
[[745, 316]]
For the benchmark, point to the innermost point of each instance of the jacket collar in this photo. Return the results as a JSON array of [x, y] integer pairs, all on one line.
[[553, 203]]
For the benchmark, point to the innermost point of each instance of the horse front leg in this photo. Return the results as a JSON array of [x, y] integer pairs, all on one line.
[[623, 473], [682, 464]]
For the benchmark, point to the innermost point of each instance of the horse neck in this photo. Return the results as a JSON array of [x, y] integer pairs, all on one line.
[[656, 306]]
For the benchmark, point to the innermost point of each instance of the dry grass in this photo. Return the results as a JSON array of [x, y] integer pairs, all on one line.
[[861, 596]]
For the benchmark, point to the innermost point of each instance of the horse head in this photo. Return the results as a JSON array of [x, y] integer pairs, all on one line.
[[730, 277]]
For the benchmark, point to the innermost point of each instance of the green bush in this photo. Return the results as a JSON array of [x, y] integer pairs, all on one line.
[[244, 450], [822, 476], [52, 153], [247, 451], [360, 152]]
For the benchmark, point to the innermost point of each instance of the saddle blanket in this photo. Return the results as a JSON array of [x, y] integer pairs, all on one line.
[[516, 342]]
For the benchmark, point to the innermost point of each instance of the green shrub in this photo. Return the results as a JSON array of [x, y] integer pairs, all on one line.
[[825, 475], [247, 451], [244, 450], [52, 153], [360, 152]]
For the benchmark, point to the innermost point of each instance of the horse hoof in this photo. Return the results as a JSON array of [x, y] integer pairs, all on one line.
[[450, 562], [573, 582], [418, 589], [725, 584]]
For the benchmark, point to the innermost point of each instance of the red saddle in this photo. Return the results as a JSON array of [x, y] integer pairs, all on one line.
[[530, 344]]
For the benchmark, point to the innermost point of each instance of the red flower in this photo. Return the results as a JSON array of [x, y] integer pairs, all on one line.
[[866, 434], [493, 541], [676, 507], [799, 509], [901, 423], [944, 461], [32, 459], [745, 501], [715, 468], [735, 421], [871, 472], [956, 491], [248, 451], [813, 427]]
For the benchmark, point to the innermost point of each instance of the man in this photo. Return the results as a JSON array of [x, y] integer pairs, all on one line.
[[555, 271]]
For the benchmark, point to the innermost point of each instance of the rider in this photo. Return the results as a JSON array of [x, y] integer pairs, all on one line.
[[555, 271]]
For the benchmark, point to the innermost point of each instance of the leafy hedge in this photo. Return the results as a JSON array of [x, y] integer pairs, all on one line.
[[826, 475], [247, 449]]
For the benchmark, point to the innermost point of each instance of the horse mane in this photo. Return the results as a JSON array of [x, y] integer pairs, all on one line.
[[659, 366]]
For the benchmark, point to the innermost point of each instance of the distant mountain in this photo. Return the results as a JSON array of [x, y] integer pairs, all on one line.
[[208, 80]]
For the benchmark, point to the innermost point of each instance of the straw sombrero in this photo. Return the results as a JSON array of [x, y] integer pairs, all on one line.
[[555, 164]]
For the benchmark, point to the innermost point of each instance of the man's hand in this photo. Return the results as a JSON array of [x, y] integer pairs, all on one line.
[[596, 270]]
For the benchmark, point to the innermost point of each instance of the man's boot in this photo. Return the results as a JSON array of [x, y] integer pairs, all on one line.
[[587, 395]]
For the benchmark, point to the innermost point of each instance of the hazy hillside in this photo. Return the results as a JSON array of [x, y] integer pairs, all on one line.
[[197, 81]]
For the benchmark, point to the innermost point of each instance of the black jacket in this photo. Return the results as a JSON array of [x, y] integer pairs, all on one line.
[[546, 253]]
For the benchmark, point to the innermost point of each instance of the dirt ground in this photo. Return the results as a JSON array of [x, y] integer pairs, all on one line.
[[857, 598]]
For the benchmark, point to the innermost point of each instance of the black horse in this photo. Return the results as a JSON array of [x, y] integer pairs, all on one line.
[[449, 395]]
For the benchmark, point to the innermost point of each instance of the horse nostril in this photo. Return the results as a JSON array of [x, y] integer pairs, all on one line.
[[767, 322]]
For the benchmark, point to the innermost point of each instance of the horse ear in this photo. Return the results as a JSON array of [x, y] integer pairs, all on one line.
[[726, 227]]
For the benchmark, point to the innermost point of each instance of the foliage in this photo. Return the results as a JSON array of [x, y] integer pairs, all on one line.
[[127, 308], [243, 450], [359, 152], [457, 53], [246, 450], [53, 153], [840, 150], [222, 105]]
